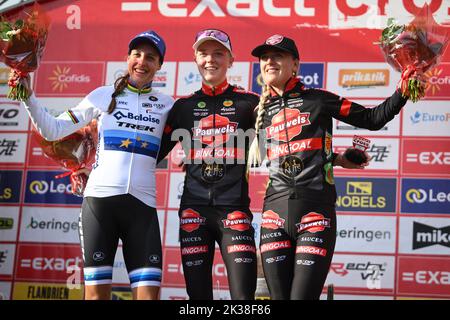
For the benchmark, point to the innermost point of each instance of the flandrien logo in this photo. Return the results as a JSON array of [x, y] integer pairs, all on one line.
[[53, 224]]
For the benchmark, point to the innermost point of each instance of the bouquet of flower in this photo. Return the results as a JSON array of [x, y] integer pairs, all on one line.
[[413, 49], [74, 152], [21, 47]]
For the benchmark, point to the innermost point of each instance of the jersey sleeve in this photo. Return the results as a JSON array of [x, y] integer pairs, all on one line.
[[52, 128], [360, 116], [172, 123]]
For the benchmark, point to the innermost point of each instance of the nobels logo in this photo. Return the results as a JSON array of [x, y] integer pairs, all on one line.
[[354, 78], [62, 78], [435, 81]]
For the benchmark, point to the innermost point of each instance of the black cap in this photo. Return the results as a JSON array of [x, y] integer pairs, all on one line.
[[277, 42]]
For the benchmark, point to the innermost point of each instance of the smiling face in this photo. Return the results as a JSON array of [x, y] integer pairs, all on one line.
[[213, 61], [277, 67], [143, 62]]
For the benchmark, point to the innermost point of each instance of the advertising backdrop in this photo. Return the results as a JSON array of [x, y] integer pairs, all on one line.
[[393, 233]]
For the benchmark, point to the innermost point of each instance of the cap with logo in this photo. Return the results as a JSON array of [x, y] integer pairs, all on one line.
[[151, 37], [212, 34], [277, 42]]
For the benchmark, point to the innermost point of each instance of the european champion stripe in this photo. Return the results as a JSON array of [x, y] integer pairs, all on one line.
[[145, 274], [125, 141]]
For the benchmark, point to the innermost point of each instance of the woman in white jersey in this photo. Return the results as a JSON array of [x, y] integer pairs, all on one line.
[[119, 199]]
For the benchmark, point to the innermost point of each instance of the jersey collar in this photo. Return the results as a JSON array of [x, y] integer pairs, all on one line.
[[292, 82], [214, 91], [145, 89]]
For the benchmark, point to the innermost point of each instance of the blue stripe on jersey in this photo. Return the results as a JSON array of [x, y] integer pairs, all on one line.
[[98, 275], [128, 142], [146, 276]]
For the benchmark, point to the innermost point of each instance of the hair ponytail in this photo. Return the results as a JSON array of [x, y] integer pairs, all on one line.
[[254, 155], [120, 85]]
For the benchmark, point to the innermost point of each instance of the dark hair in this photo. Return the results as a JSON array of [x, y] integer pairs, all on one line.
[[120, 85]]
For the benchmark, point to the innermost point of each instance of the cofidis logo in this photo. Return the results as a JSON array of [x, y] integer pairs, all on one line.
[[43, 187], [366, 194], [311, 74], [10, 182], [425, 196]]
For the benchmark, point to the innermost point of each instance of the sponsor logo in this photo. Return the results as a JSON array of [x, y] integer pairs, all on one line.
[[98, 256], [271, 220], [292, 166], [357, 194], [311, 250], [305, 262], [237, 220], [42, 187], [227, 103], [53, 224], [426, 156], [438, 81], [357, 78], [194, 263], [241, 248], [425, 236], [287, 124], [64, 79], [190, 239], [280, 150], [191, 220], [9, 115], [271, 235], [10, 185], [427, 117], [51, 264], [194, 250], [45, 291], [6, 223], [313, 222], [276, 259], [311, 239], [368, 270], [311, 74], [214, 128], [275, 246], [424, 275], [120, 115], [425, 196]]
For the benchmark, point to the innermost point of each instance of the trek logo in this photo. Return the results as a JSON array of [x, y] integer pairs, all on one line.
[[214, 129], [287, 124], [425, 236], [271, 220], [369, 194], [313, 222], [135, 126], [369, 271], [148, 118], [425, 196], [237, 220], [359, 78], [191, 220]]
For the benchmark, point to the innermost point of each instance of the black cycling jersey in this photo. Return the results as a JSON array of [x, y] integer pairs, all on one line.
[[297, 129], [216, 121]]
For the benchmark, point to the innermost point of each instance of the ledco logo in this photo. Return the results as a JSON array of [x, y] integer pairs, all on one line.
[[313, 222], [237, 220], [425, 236], [425, 196], [354, 78], [217, 129], [64, 79], [271, 220], [191, 220], [287, 124]]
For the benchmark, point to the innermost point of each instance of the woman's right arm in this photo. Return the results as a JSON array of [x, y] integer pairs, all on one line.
[[52, 128]]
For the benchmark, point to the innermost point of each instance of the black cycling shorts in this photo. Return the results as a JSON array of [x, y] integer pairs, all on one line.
[[297, 245], [102, 222], [200, 228]]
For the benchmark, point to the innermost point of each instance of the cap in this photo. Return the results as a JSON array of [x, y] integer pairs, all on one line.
[[153, 38], [277, 42], [212, 34]]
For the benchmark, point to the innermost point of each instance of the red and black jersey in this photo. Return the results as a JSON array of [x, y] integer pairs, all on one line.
[[215, 122], [297, 130]]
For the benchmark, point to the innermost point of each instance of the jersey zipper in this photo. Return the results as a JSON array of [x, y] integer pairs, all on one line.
[[212, 188], [283, 104]]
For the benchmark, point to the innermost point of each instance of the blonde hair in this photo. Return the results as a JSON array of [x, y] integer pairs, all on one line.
[[120, 85], [254, 155]]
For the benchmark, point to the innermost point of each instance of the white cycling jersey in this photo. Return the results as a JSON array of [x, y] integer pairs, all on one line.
[[128, 139]]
